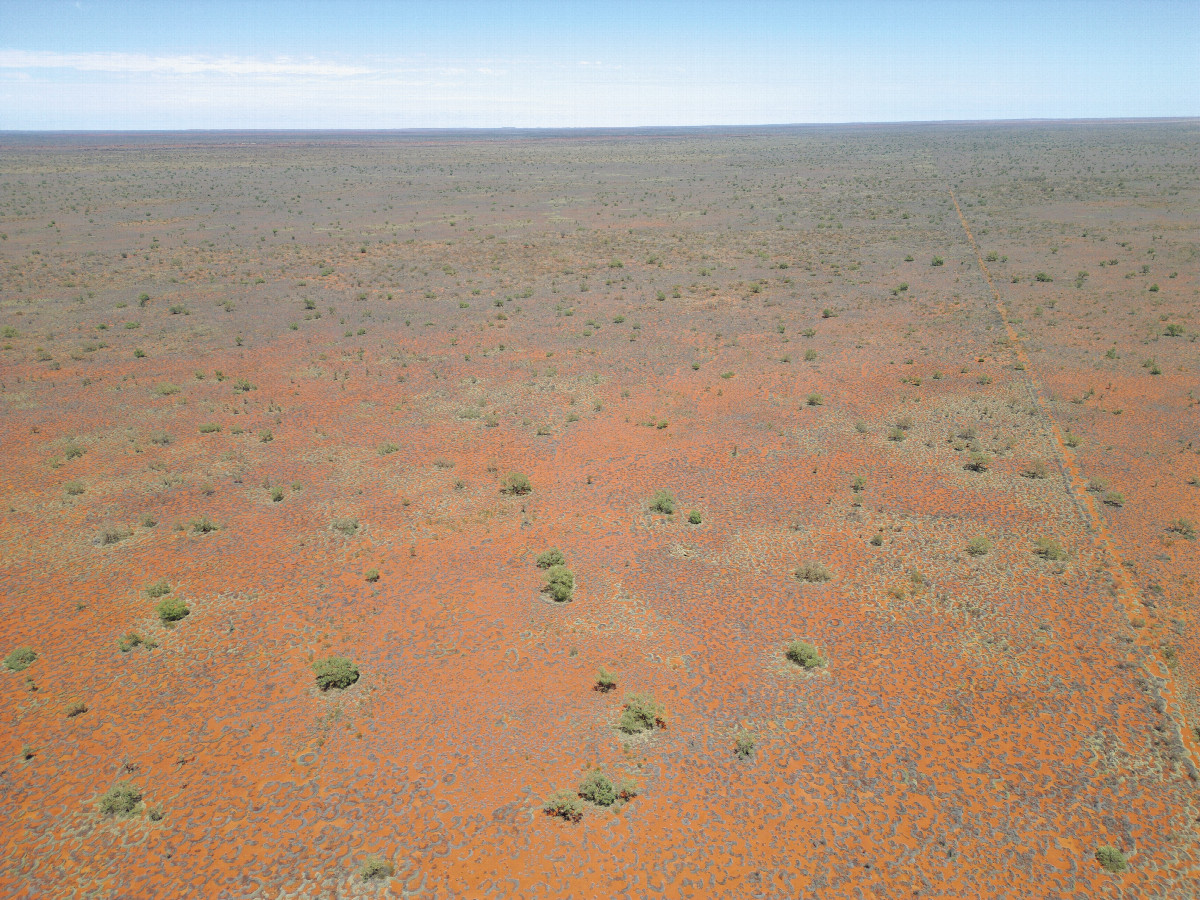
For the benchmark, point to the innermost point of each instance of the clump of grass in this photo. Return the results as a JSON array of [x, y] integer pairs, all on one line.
[[335, 672], [171, 609], [515, 484], [120, 801], [605, 680], [1036, 469], [158, 589], [896, 434], [1184, 528], [110, 535], [1048, 548], [387, 448], [372, 575], [560, 583], [598, 788], [1097, 484], [813, 573], [662, 502], [345, 526], [552, 557], [210, 428], [564, 804], [641, 713], [161, 438], [804, 654], [75, 708], [376, 868], [978, 462], [127, 643], [20, 659], [815, 400], [743, 746], [203, 525], [74, 487], [1112, 859], [1114, 498], [979, 546]]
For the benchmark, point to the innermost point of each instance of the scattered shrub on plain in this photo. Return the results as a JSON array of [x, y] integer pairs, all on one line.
[[802, 653], [642, 713], [335, 672]]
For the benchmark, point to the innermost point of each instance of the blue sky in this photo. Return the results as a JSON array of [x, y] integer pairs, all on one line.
[[225, 64]]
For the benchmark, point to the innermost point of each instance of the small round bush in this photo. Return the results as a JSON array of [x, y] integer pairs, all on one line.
[[516, 484], [552, 557], [802, 653], [560, 583], [813, 573], [372, 575], [605, 680], [335, 672], [744, 745], [642, 713], [978, 462], [1047, 548], [20, 659], [172, 609], [597, 787], [694, 518], [979, 546], [564, 804], [158, 589], [1112, 859], [662, 502], [376, 868], [121, 800]]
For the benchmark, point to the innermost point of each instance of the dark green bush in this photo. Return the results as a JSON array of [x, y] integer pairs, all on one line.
[[204, 525], [560, 583], [694, 517], [662, 502], [802, 653], [171, 609], [552, 557], [372, 575], [335, 672], [598, 788], [120, 801], [642, 713], [20, 659], [127, 643]]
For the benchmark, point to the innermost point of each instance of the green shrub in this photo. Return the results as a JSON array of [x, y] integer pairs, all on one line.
[[896, 434], [605, 680], [161, 438], [814, 400], [1184, 528], [515, 484], [120, 801], [641, 713], [662, 502], [345, 526], [743, 746], [552, 557], [376, 868], [1112, 859], [979, 546], [937, 261], [802, 653], [560, 583], [74, 488], [1114, 498], [858, 484], [158, 589], [810, 354], [75, 708], [276, 494], [335, 672], [813, 573], [598, 788], [204, 525], [20, 659], [1174, 329], [387, 448], [210, 428], [1042, 277], [241, 386], [1048, 548], [1036, 469], [265, 436], [564, 804], [978, 462], [127, 643], [171, 609], [694, 517], [110, 535], [372, 575]]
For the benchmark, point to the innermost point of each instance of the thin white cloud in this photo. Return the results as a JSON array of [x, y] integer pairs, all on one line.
[[140, 63]]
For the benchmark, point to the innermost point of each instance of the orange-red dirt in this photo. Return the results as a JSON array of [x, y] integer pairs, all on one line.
[[609, 315]]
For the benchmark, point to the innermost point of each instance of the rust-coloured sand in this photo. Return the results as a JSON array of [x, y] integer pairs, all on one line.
[[609, 316]]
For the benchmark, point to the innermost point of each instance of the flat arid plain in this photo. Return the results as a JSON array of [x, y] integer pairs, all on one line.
[[869, 454]]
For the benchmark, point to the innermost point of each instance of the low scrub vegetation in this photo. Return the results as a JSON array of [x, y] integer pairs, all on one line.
[[564, 804], [641, 713], [20, 659], [662, 502], [120, 801], [804, 654], [335, 672], [560, 583], [376, 868], [171, 609], [515, 485], [813, 573]]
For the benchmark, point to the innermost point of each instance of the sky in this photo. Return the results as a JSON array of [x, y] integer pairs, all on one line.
[[97, 64]]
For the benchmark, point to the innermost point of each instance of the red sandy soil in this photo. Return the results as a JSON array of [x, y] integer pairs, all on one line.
[[983, 723]]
